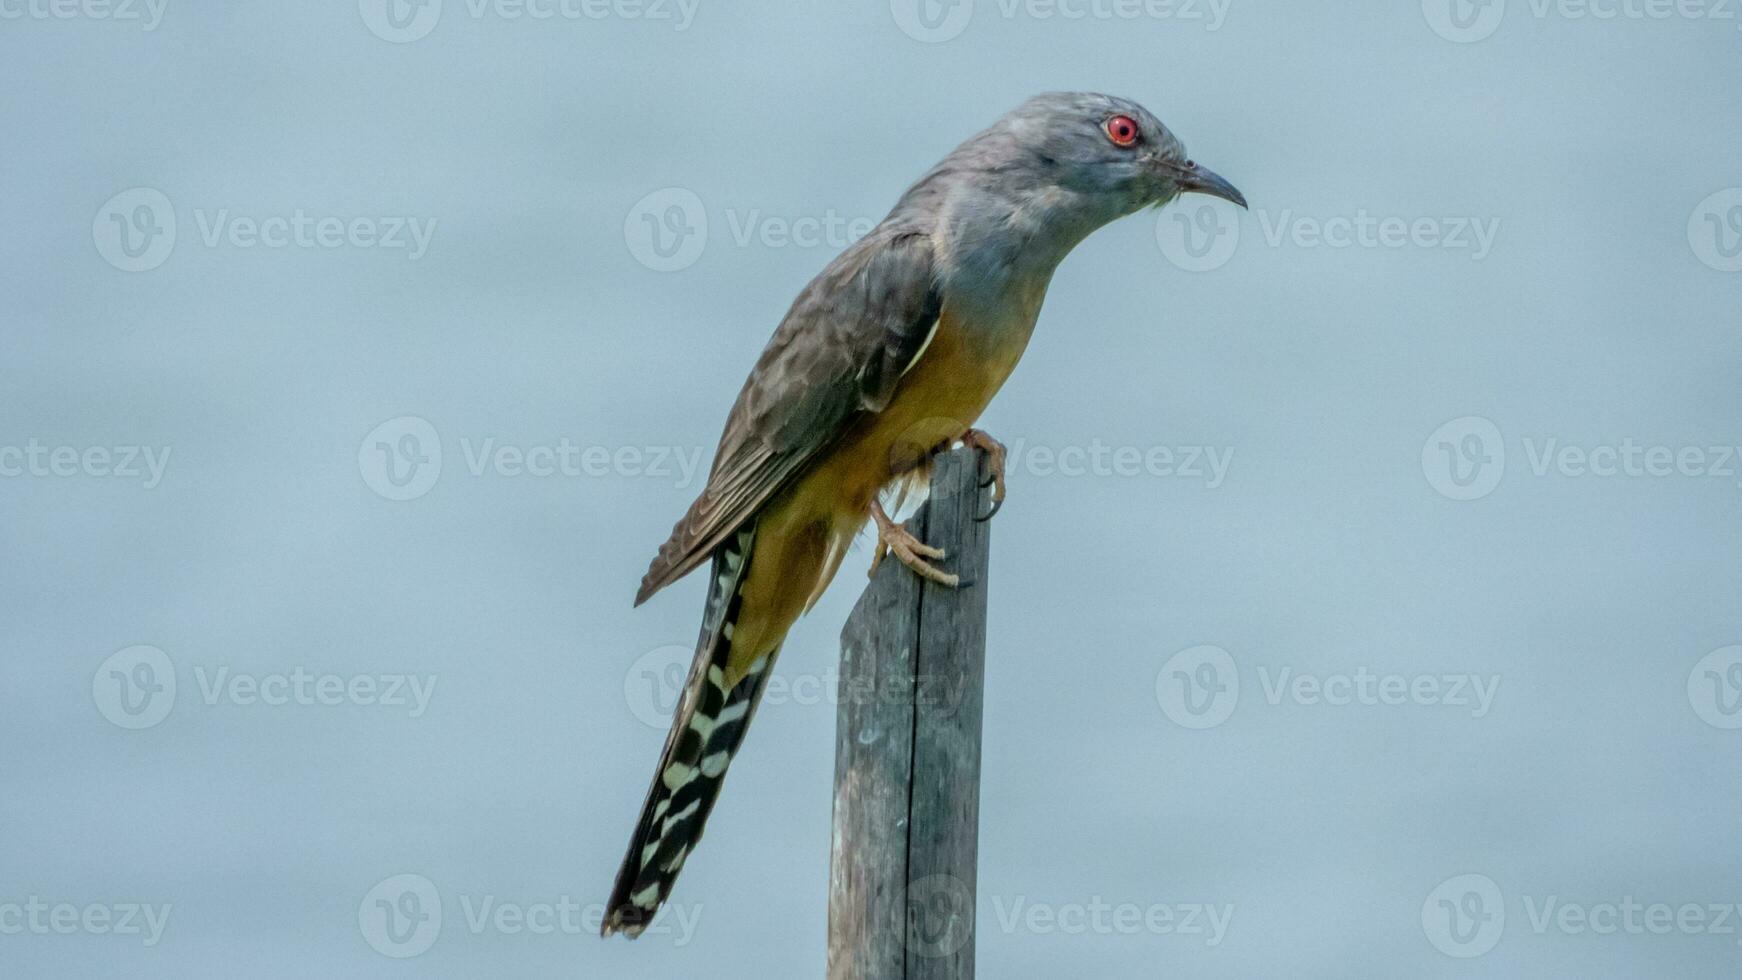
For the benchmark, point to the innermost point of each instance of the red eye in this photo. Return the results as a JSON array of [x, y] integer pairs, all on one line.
[[1122, 130]]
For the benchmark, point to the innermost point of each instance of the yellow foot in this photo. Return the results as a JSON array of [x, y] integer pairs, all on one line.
[[892, 538], [995, 457]]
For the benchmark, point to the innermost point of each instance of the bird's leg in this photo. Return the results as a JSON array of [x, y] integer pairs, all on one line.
[[909, 550], [995, 458]]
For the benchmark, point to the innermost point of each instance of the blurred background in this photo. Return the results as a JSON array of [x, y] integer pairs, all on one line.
[[1365, 603]]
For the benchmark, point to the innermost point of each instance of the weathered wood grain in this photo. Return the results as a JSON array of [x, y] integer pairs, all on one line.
[[907, 753]]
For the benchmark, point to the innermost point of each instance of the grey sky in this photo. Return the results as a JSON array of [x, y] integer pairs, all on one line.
[[1244, 449]]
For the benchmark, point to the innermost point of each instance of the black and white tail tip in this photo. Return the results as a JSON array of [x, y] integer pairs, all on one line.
[[706, 732]]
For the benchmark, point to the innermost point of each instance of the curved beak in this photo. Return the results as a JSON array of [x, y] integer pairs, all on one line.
[[1194, 179]]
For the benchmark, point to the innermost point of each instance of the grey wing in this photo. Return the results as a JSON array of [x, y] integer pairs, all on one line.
[[838, 353]]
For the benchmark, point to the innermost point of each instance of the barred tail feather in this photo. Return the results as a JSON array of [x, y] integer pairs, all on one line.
[[705, 734]]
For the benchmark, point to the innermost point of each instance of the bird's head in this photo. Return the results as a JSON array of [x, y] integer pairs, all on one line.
[[1110, 153]]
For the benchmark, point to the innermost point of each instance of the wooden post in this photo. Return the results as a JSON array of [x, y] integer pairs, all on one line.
[[907, 752]]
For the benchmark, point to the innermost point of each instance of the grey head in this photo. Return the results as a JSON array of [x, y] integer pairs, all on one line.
[[1031, 186]]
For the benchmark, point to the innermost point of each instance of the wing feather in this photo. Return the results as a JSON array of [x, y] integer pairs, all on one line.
[[843, 346]]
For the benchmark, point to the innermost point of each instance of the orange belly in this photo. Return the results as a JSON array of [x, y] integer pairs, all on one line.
[[803, 533]]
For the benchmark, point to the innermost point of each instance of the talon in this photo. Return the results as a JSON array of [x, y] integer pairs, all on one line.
[[995, 459], [892, 538]]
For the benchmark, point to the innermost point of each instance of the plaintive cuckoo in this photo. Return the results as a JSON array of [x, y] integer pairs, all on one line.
[[887, 357]]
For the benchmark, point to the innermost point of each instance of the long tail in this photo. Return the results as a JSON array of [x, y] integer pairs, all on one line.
[[705, 735]]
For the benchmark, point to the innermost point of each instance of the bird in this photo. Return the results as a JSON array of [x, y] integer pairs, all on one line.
[[886, 358]]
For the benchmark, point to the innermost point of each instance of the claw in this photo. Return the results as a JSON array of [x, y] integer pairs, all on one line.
[[995, 458], [894, 539]]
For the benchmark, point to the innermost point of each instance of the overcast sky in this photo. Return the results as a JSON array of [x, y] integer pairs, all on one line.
[[1365, 603]]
